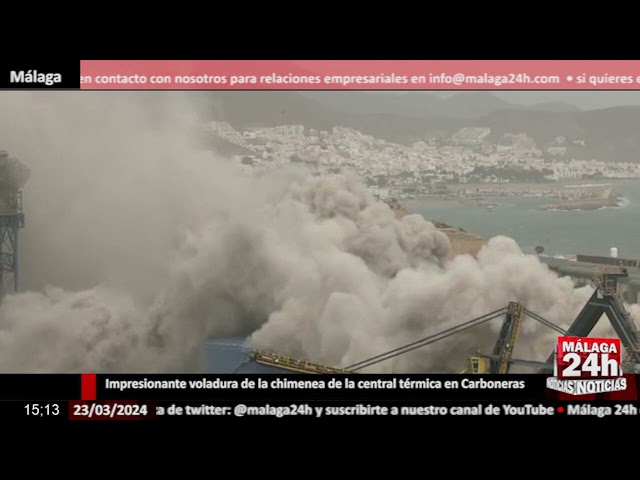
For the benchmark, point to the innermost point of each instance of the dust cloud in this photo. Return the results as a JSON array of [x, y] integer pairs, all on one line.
[[139, 246]]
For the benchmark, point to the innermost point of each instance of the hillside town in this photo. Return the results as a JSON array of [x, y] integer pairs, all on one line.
[[426, 167]]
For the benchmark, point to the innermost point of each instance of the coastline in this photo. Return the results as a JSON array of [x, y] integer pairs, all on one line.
[[557, 233], [581, 195]]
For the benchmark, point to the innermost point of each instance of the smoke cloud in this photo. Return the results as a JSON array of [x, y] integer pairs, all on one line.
[[139, 246]]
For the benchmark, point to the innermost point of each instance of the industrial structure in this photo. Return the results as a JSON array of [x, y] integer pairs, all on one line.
[[584, 267], [236, 357], [13, 177], [232, 355]]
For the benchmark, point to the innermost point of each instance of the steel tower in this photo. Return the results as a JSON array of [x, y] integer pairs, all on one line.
[[13, 177]]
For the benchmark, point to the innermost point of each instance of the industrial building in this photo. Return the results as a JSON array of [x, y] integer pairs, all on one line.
[[584, 267]]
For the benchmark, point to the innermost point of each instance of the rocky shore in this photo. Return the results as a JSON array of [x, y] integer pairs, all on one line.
[[462, 242]]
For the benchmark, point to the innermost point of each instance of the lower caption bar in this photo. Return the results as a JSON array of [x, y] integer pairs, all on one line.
[[146, 410]]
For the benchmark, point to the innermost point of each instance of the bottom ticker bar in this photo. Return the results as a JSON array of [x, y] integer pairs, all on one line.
[[253, 411], [256, 411]]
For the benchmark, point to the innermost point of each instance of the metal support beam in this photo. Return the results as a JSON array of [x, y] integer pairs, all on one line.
[[9, 227], [292, 364], [519, 361], [605, 301], [13, 177], [503, 348]]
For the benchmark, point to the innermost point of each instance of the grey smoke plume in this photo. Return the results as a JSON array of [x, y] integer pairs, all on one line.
[[138, 247]]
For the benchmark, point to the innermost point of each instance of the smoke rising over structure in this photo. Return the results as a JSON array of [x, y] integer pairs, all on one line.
[[138, 247]]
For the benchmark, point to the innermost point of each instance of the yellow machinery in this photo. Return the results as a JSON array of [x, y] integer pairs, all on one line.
[[500, 360], [292, 364], [477, 364]]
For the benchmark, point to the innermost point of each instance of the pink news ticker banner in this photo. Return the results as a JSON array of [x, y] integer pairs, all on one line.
[[360, 75]]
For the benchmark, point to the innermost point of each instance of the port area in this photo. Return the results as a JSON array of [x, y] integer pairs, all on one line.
[[562, 196], [612, 201]]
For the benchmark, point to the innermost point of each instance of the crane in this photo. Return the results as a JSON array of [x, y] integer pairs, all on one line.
[[500, 360], [604, 300], [293, 365]]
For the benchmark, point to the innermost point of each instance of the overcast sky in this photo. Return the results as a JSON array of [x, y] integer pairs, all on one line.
[[585, 100]]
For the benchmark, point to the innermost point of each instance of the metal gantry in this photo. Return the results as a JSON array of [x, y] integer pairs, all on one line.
[[604, 301], [499, 361], [292, 364], [9, 226], [13, 176]]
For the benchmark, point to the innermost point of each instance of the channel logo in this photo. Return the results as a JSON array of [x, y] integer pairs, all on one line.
[[585, 366]]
